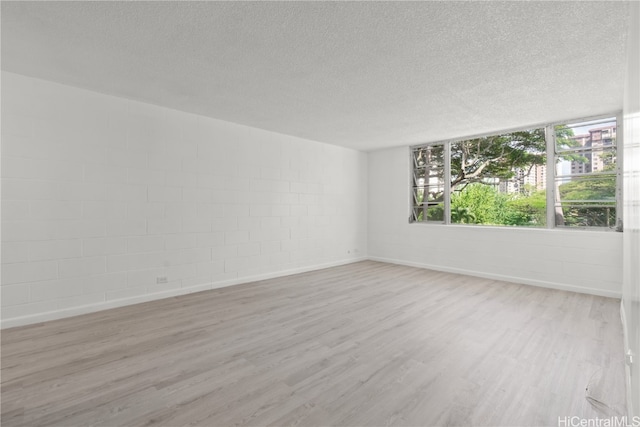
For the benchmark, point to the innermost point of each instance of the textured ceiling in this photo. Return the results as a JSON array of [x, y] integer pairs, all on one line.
[[364, 75]]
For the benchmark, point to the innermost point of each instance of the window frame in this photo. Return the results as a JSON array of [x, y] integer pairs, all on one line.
[[550, 168]]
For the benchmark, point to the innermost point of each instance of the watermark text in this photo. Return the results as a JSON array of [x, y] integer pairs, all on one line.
[[576, 421]]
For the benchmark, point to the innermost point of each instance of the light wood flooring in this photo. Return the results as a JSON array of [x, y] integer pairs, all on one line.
[[363, 344]]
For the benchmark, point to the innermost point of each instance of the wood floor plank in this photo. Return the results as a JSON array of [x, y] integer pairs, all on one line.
[[362, 344]]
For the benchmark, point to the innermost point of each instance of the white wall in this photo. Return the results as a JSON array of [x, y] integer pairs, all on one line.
[[576, 260], [631, 278], [100, 195]]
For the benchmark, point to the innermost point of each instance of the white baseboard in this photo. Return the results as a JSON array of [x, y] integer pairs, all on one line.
[[91, 308], [505, 278]]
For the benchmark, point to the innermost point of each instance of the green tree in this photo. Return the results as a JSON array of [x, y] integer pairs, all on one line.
[[478, 165], [462, 215], [590, 200], [475, 204], [531, 208], [483, 204], [593, 187], [483, 159], [601, 189]]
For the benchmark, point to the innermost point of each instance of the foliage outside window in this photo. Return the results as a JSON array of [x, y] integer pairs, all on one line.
[[587, 184], [504, 179]]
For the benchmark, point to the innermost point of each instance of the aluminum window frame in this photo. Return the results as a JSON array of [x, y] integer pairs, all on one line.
[[550, 168]]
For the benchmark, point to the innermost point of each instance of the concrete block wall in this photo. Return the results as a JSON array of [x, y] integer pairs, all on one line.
[[102, 195], [575, 260]]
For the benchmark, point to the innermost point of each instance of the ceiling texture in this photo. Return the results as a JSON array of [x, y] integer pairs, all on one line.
[[364, 75]]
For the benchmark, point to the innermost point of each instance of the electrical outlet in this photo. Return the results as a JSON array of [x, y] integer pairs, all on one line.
[[162, 279]]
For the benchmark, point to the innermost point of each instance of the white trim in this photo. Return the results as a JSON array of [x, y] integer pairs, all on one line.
[[551, 171], [446, 197], [627, 368], [513, 279], [91, 308]]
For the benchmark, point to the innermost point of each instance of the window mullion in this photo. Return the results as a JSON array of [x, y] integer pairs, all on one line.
[[447, 183], [550, 139], [619, 144]]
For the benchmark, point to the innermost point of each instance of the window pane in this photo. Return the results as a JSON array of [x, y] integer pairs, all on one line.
[[591, 134], [500, 179], [592, 187], [586, 215], [586, 180], [428, 183], [429, 212], [432, 155]]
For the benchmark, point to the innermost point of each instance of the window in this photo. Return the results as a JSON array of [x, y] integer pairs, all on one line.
[[560, 175], [586, 196], [428, 183]]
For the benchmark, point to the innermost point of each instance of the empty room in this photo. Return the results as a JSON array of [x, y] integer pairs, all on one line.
[[320, 213]]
